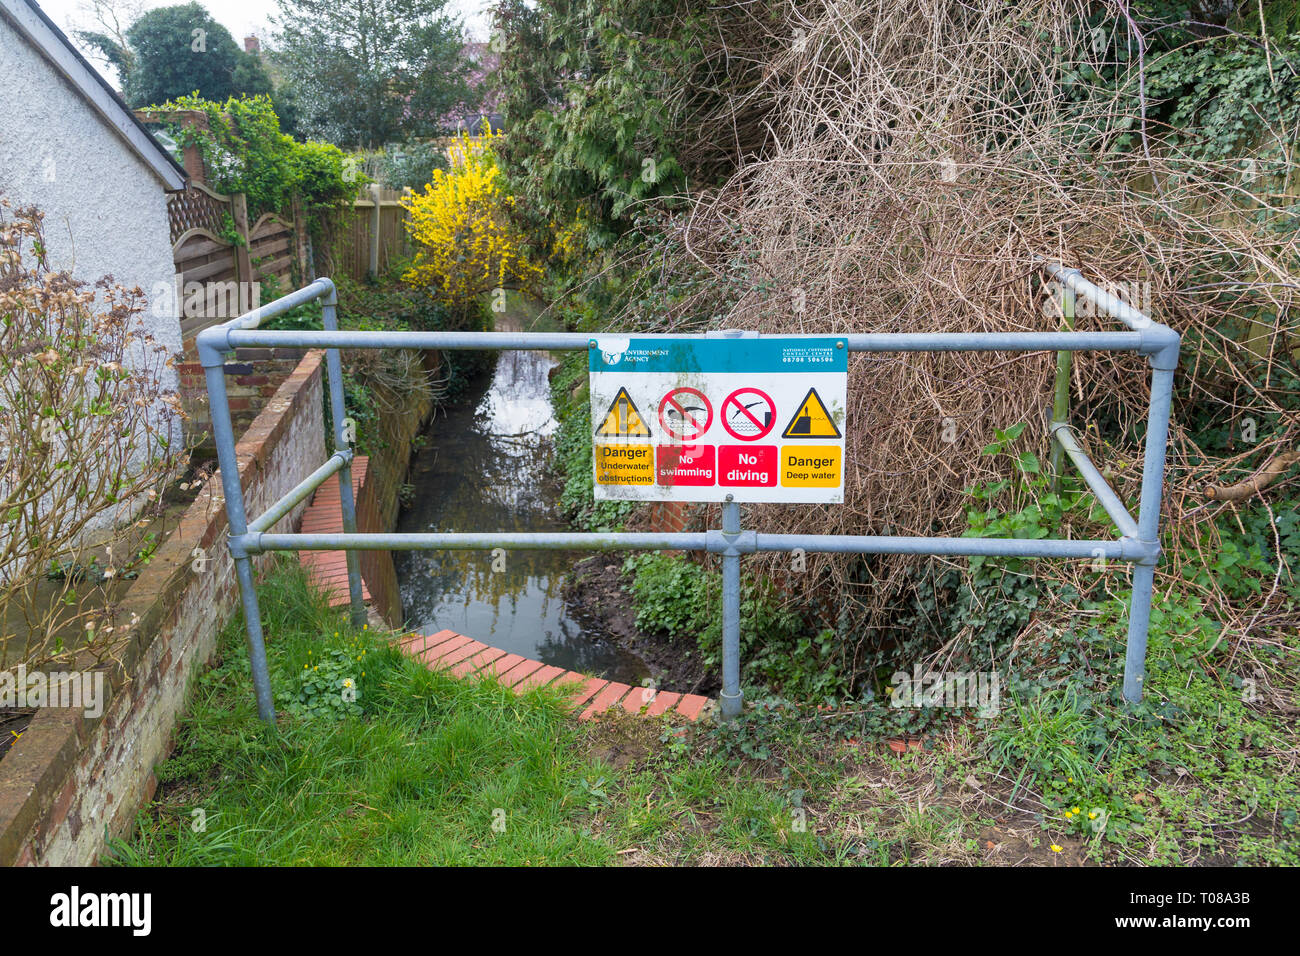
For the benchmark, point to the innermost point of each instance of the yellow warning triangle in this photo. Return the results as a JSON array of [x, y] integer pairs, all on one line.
[[623, 419], [812, 420]]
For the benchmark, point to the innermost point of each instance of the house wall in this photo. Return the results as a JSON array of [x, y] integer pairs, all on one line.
[[105, 209]]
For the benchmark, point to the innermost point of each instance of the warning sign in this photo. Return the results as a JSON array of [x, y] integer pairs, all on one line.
[[747, 466], [685, 465], [811, 466], [625, 465], [716, 407], [622, 419], [812, 420]]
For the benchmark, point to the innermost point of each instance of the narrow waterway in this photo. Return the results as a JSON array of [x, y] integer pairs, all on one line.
[[486, 467]]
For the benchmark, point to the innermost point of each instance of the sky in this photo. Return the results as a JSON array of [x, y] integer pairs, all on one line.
[[240, 17]]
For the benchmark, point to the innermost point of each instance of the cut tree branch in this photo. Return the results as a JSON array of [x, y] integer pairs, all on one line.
[[1273, 469]]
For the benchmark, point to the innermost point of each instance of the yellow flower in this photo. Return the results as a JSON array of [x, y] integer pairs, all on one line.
[[1092, 814], [1056, 848], [1068, 814]]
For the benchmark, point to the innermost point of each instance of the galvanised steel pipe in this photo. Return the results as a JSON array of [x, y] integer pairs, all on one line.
[[1096, 480], [252, 318], [731, 698], [561, 341], [223, 434], [1127, 549], [1153, 470], [1156, 341], [1106, 302], [213, 343], [472, 541], [715, 542], [301, 492], [347, 503], [995, 342]]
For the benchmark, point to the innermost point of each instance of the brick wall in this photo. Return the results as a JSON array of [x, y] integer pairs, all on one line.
[[671, 517], [71, 779], [379, 501], [251, 381]]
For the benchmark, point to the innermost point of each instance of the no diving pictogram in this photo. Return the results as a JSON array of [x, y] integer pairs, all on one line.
[[685, 413], [748, 414]]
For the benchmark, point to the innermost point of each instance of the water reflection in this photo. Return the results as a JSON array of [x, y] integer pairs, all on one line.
[[486, 469]]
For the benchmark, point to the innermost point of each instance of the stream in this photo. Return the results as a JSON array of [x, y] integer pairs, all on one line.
[[487, 467]]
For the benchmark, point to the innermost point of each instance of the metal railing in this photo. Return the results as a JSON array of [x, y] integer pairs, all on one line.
[[1138, 540]]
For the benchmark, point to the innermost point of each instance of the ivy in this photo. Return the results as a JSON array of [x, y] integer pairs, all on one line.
[[1201, 90], [245, 152]]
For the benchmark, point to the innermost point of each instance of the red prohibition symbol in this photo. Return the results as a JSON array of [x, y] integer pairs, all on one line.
[[685, 413], [748, 414]]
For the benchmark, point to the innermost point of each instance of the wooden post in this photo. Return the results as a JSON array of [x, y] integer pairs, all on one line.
[[374, 230], [301, 242], [239, 212], [403, 235]]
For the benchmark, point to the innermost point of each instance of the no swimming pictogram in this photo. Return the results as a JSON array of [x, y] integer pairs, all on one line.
[[685, 413]]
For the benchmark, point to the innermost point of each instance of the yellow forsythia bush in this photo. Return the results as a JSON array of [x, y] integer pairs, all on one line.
[[466, 242]]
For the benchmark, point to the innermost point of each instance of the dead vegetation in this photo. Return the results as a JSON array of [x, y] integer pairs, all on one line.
[[919, 159], [88, 445]]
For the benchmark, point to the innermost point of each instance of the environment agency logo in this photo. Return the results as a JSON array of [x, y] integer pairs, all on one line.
[[612, 348]]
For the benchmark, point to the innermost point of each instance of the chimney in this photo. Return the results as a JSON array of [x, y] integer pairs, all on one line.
[[252, 45]]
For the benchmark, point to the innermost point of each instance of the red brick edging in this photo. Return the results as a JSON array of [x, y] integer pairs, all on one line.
[[328, 570], [462, 656]]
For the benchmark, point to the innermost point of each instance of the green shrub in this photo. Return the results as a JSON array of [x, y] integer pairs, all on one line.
[[244, 151], [670, 594], [411, 165], [573, 452]]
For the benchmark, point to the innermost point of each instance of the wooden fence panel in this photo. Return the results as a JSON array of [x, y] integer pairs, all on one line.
[[351, 254], [228, 271], [219, 279], [272, 247]]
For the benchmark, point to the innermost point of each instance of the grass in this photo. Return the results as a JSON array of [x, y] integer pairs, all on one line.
[[423, 769], [431, 771]]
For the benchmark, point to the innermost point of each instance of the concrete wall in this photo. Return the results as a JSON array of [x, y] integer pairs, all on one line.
[[71, 779], [105, 209]]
